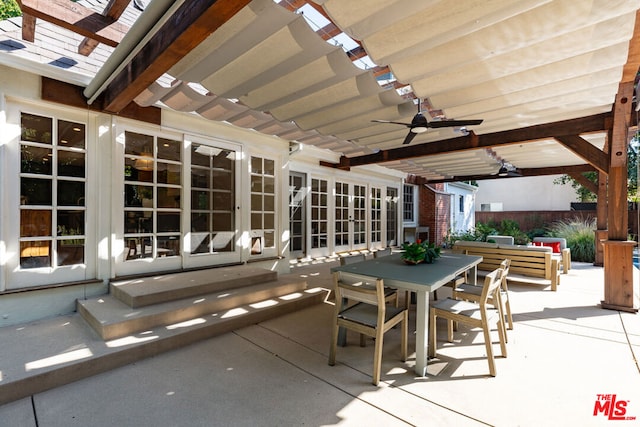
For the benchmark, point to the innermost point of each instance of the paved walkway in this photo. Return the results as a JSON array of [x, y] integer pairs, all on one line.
[[564, 354]]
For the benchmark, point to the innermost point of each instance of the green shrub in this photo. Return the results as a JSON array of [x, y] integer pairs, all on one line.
[[580, 236]]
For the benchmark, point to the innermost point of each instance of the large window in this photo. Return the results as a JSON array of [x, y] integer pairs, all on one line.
[[319, 210], [212, 199], [376, 215], [152, 196], [408, 204], [392, 216], [342, 213], [52, 192], [263, 205]]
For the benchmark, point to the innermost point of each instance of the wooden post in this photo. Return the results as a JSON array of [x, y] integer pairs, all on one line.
[[619, 292]]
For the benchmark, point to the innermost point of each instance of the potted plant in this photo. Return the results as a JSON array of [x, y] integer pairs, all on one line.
[[415, 253]]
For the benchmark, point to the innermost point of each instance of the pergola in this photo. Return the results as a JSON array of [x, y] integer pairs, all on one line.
[[553, 82]]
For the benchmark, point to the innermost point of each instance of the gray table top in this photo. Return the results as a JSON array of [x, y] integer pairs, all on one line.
[[421, 277]]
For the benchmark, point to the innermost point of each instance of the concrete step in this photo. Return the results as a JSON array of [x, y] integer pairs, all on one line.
[[98, 356], [149, 290], [111, 318]]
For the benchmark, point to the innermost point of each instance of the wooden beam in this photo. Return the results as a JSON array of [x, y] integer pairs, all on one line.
[[76, 18], [526, 172], [68, 94], [595, 123], [584, 181], [28, 27], [586, 151], [189, 26], [113, 10]]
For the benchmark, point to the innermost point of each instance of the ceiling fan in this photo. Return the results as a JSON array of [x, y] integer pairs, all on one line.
[[419, 124]]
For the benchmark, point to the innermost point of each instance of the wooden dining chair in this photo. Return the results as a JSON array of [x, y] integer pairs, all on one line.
[[391, 295], [469, 292], [474, 314], [368, 316]]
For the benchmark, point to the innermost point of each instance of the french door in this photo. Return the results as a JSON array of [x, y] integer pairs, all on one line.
[[350, 216], [297, 214]]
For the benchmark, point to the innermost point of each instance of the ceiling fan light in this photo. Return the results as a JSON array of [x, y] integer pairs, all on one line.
[[503, 171], [418, 129]]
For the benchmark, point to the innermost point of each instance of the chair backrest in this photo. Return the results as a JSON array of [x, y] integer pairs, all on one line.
[[382, 252], [358, 288], [351, 259], [491, 285]]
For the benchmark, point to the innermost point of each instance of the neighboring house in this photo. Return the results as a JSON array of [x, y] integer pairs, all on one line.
[[87, 196], [537, 193]]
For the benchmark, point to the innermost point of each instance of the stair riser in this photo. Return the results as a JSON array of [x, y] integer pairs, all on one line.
[[82, 369], [207, 307], [189, 290]]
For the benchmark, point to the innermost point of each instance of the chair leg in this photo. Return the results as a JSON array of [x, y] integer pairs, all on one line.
[[405, 334], [507, 306], [377, 356], [450, 330], [432, 333], [488, 346], [334, 344], [503, 338]]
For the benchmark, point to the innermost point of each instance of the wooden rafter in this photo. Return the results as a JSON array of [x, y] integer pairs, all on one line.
[[113, 10], [590, 124], [76, 18], [189, 26], [555, 170], [586, 151]]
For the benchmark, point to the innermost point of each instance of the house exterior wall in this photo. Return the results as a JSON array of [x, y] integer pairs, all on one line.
[[524, 194], [30, 293]]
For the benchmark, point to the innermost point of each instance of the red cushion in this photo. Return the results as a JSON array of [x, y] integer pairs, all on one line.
[[555, 246], [537, 243]]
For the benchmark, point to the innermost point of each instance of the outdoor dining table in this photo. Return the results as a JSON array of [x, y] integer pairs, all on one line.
[[421, 279]]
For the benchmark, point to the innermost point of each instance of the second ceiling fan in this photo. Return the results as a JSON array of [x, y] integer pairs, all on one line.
[[419, 124]]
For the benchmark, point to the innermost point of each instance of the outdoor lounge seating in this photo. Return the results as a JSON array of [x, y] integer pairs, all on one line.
[[529, 264], [473, 314], [559, 248], [369, 316]]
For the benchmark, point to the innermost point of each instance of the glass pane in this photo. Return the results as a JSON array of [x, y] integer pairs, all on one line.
[[256, 165], [169, 173], [36, 128], [35, 222], [269, 185], [256, 202], [256, 221], [70, 252], [222, 221], [200, 178], [200, 243], [201, 155], [256, 183], [224, 160], [70, 193], [70, 163], [138, 144], [222, 180], [168, 246], [323, 186], [70, 223], [269, 167], [199, 200], [70, 134], [269, 223], [168, 222], [222, 201], [222, 242], [200, 222], [138, 195], [269, 239], [34, 191], [168, 197], [138, 247], [269, 203], [138, 222], [169, 149], [131, 173], [35, 160], [35, 254]]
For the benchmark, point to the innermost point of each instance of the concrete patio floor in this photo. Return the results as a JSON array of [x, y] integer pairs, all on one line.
[[564, 353]]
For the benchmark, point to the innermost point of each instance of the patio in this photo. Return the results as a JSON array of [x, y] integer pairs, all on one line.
[[563, 353]]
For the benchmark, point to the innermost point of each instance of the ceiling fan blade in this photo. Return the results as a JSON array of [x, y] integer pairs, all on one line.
[[409, 137], [389, 121], [453, 123]]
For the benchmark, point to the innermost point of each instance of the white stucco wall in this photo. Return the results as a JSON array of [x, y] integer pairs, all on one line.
[[522, 194]]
